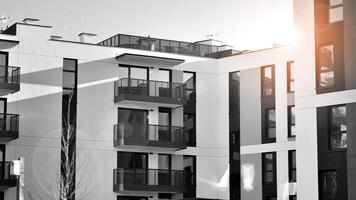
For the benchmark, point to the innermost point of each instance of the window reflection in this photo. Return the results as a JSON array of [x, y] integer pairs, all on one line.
[[338, 129], [328, 185], [327, 64]]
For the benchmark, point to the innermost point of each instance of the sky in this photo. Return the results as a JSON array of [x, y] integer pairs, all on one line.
[[244, 24]]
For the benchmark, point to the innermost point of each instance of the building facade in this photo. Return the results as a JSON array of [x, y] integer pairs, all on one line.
[[136, 118]]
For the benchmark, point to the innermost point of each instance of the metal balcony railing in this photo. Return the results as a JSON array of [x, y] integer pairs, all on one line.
[[168, 179], [9, 74], [9, 122], [146, 133], [162, 45], [149, 88]]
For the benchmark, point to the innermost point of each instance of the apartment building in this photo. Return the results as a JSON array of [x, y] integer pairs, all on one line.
[[138, 118]]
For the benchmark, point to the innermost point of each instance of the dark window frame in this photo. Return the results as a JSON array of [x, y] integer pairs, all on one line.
[[194, 85], [263, 81], [274, 170], [290, 123], [267, 125], [333, 7], [330, 124], [289, 77], [134, 154], [7, 57], [170, 73], [169, 159], [136, 66], [318, 68], [290, 165]]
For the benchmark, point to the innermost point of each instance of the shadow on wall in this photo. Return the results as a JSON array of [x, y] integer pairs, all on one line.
[[87, 72]]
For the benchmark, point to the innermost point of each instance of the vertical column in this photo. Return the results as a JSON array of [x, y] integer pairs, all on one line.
[[282, 175], [307, 153], [281, 102]]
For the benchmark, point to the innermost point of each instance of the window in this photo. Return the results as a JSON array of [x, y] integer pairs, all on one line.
[[131, 160], [189, 80], [291, 121], [326, 66], [189, 126], [328, 185], [337, 127], [70, 67], [293, 197], [290, 77], [270, 124], [3, 58], [267, 80], [269, 167], [336, 11], [189, 167], [164, 161], [292, 166]]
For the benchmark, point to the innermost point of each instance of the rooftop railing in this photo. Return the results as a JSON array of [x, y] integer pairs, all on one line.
[[146, 133], [162, 45], [149, 88], [9, 74]]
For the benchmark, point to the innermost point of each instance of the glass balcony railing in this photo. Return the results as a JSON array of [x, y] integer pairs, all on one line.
[[149, 180], [150, 88], [9, 122], [9, 74], [162, 45], [9, 126], [149, 135]]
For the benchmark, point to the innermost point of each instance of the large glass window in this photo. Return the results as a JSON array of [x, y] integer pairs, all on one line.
[[336, 11], [270, 124], [292, 166], [328, 185], [3, 58], [131, 160], [189, 126], [267, 80], [189, 80], [338, 127], [132, 116], [268, 167], [327, 65], [189, 166], [291, 121], [290, 76]]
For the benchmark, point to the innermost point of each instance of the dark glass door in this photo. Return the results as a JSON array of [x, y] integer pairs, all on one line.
[[164, 169], [189, 165], [135, 167], [165, 123], [133, 123]]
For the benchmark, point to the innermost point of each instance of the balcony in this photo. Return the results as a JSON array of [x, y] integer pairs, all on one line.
[[9, 127], [6, 180], [9, 80], [149, 136], [149, 180], [161, 45], [128, 90]]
